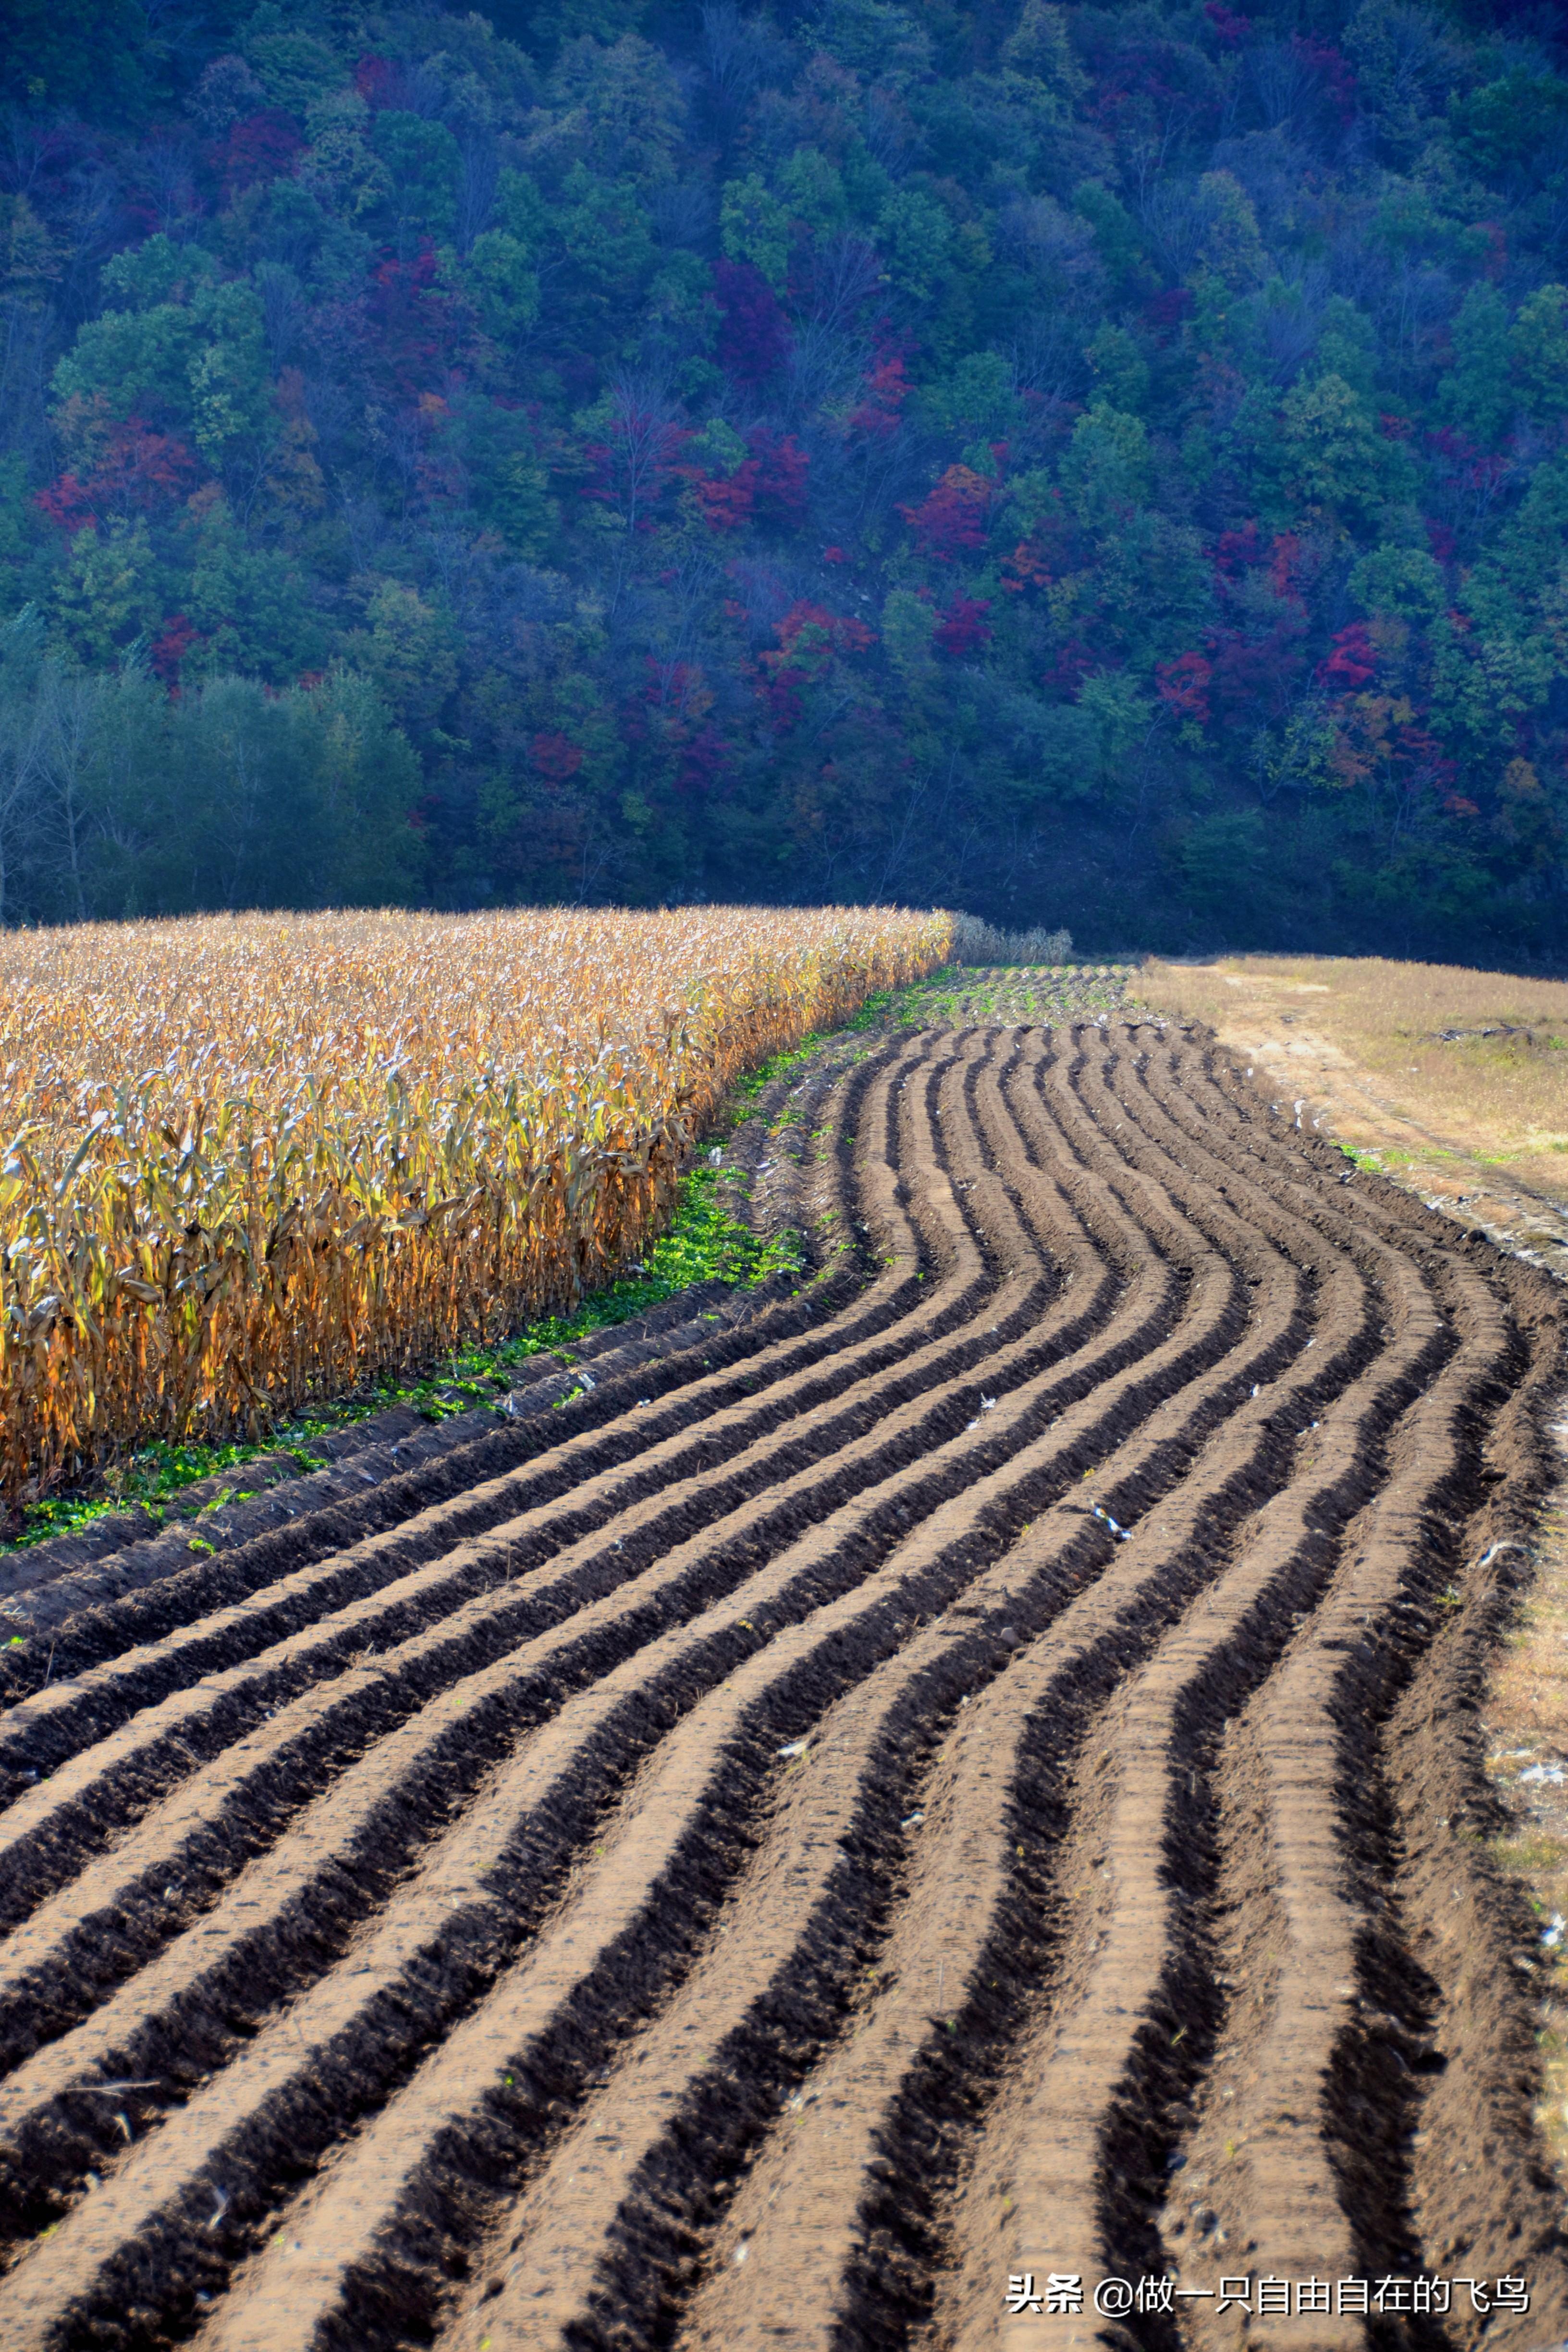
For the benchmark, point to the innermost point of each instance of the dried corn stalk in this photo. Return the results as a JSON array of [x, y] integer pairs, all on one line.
[[255, 1159]]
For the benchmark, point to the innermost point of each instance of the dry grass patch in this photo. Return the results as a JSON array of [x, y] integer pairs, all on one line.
[[1455, 1082]]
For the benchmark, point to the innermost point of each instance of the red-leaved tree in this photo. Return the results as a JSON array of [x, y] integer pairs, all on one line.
[[963, 625], [1182, 686], [952, 517]]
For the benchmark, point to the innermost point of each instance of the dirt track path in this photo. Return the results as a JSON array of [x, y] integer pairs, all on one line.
[[971, 1771]]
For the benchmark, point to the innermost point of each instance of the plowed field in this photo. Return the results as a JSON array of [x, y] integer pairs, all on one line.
[[965, 1768]]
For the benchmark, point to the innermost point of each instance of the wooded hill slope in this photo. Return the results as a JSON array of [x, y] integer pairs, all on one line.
[[1099, 465]]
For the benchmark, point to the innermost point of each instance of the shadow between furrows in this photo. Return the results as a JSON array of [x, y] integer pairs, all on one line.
[[473, 1755], [1426, 2087], [614, 2296]]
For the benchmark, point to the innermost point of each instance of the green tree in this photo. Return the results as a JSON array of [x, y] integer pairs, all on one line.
[[1115, 230], [755, 227], [1120, 370], [294, 68], [1332, 458], [411, 654], [1475, 394], [883, 43], [519, 503], [367, 783], [62, 53], [909, 625], [230, 394], [915, 234], [553, 21], [138, 362], [1041, 47], [1403, 581], [421, 163], [1120, 715], [520, 210], [1513, 118], [146, 277], [1347, 346], [813, 190], [621, 110], [505, 290], [1532, 550], [249, 603], [1106, 466], [107, 594], [341, 167], [1538, 346], [1229, 244], [608, 241]]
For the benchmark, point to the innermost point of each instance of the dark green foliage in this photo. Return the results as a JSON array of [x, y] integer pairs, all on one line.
[[1088, 463]]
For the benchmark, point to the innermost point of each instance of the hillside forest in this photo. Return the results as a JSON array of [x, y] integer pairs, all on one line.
[[1099, 465]]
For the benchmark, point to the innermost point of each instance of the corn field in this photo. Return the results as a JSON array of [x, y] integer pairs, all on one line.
[[253, 1160]]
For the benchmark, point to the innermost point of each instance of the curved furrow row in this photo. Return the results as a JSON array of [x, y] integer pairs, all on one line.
[[1421, 2086], [190, 1843], [612, 1721], [946, 1788], [909, 2079], [318, 2250], [1078, 2142]]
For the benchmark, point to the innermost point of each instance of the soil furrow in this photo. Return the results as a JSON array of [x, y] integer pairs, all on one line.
[[1421, 2050], [200, 1839], [899, 2089], [603, 2276], [436, 1573], [953, 1541], [966, 1769]]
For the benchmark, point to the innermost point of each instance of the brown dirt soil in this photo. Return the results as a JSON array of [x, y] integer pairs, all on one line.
[[1452, 1082], [972, 1768]]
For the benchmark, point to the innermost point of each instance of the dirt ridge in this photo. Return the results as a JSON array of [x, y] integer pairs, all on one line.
[[967, 1768]]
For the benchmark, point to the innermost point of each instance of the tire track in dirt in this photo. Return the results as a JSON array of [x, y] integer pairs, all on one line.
[[761, 1867]]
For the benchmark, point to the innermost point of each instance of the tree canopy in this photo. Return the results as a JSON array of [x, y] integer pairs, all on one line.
[[1088, 463]]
